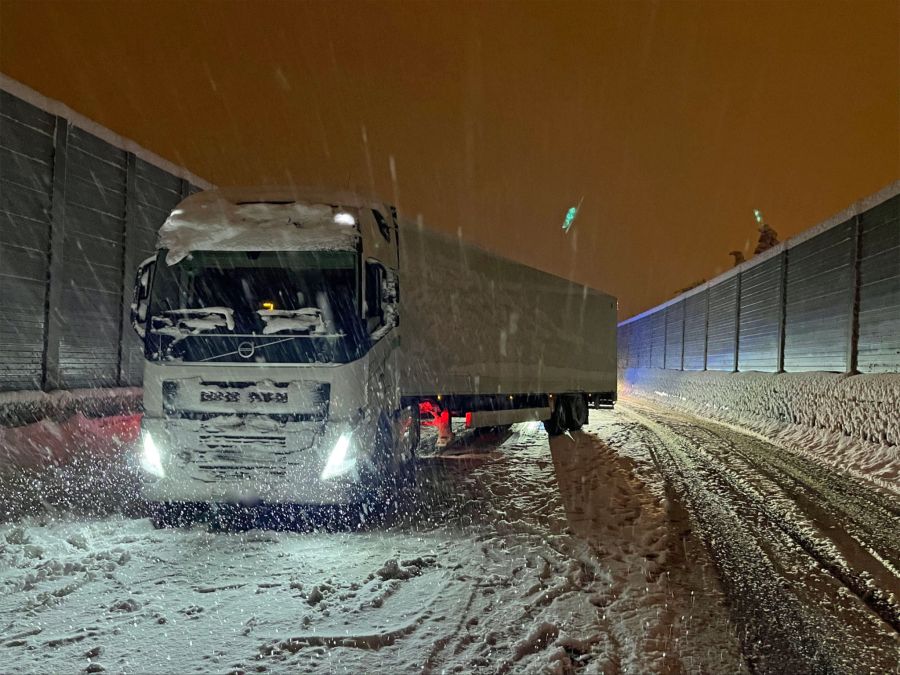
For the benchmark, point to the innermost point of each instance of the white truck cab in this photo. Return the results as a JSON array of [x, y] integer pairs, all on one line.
[[271, 338]]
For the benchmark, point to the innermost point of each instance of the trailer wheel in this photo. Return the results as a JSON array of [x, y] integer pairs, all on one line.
[[415, 431], [558, 421], [578, 411]]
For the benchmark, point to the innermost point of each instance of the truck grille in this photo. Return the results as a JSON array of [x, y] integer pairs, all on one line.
[[201, 399], [208, 396], [233, 443], [231, 456]]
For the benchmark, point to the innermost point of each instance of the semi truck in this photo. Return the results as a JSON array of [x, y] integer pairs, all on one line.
[[295, 341]]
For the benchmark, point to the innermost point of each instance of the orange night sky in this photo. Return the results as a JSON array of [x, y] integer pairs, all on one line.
[[672, 120]]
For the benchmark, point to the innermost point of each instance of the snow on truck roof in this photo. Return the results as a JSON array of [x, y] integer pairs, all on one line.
[[263, 219]]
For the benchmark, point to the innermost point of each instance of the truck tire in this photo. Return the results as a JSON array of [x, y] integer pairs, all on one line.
[[377, 484], [176, 514], [570, 414], [578, 411], [415, 432], [382, 454], [559, 418]]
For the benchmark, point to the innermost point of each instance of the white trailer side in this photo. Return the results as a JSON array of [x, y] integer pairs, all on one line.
[[475, 323]]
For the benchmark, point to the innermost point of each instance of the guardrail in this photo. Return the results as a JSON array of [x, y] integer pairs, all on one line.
[[826, 300]]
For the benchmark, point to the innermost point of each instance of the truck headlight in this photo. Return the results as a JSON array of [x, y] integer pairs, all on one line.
[[338, 463], [151, 462]]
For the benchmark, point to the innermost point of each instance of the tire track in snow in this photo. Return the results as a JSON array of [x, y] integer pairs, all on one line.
[[830, 536], [628, 546], [819, 510], [759, 537]]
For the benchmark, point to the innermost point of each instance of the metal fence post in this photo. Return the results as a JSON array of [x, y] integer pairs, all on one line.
[[665, 314], [737, 321], [54, 298], [683, 330], [853, 327], [706, 330], [782, 310], [129, 264]]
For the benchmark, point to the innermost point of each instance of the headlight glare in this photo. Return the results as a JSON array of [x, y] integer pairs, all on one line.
[[338, 463], [151, 462]]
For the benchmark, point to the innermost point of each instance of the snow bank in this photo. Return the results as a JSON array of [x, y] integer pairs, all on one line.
[[230, 220], [77, 463], [851, 422], [25, 407], [65, 449], [48, 442]]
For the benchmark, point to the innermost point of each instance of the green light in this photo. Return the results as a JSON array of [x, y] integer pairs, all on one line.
[[758, 215], [570, 216]]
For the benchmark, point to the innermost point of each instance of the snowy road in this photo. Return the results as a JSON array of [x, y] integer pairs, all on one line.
[[515, 556], [809, 557], [597, 553]]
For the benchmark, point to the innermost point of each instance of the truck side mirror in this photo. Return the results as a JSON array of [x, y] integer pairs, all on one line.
[[141, 298], [390, 297], [390, 288], [374, 311], [382, 296]]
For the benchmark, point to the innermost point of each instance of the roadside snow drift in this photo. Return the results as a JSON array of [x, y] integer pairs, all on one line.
[[19, 408], [850, 422], [49, 443]]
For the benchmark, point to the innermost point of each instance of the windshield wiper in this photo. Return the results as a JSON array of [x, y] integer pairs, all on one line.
[[182, 323]]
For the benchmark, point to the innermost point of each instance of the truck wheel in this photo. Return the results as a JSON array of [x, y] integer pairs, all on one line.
[[175, 514], [559, 418], [384, 447], [408, 474], [164, 515], [578, 411], [406, 468], [415, 432], [376, 480]]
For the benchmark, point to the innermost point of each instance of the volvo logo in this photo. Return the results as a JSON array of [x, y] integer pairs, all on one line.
[[246, 349]]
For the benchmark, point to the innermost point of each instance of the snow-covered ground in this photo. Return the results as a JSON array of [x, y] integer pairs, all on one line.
[[850, 422], [512, 554], [653, 541], [809, 556]]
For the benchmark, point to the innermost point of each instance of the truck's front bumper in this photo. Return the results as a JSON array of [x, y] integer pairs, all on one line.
[[249, 459]]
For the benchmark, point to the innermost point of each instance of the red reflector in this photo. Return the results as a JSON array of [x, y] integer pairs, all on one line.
[[468, 420], [429, 414]]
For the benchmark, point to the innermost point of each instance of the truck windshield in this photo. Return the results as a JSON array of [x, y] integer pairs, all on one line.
[[257, 306]]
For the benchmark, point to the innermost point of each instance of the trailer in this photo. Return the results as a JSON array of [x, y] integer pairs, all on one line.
[[499, 342], [296, 340]]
